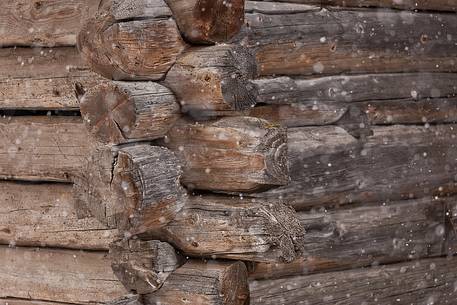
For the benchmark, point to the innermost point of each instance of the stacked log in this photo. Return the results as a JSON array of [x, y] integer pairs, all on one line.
[[184, 198]]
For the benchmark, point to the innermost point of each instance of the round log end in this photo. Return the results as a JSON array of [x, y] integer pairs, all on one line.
[[119, 112], [208, 21]]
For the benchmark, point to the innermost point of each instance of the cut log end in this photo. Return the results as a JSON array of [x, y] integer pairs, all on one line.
[[133, 189], [233, 154], [143, 266], [208, 21], [214, 80], [130, 40], [205, 283], [120, 112]]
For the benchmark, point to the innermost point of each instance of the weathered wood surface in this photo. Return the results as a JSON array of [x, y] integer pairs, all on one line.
[[130, 299], [430, 281], [131, 40], [119, 112], [235, 154], [214, 80], [43, 22], [46, 215], [427, 5], [143, 266], [42, 148], [235, 228], [349, 41], [204, 283], [392, 98], [58, 275], [328, 166], [368, 234], [208, 21], [134, 188], [42, 79], [12, 301]]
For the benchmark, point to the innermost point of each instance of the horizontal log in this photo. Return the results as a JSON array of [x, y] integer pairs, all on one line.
[[208, 21], [392, 99], [12, 301], [350, 41], [42, 148], [427, 5], [119, 112], [428, 281], [48, 23], [42, 79], [213, 80], [369, 234], [134, 188], [235, 228], [357, 88], [330, 167], [46, 215], [239, 154], [131, 40], [143, 266], [204, 283], [58, 276]]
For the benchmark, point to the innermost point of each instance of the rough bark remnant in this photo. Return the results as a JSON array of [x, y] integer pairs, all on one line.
[[120, 112], [143, 266], [208, 21], [131, 40], [235, 154], [214, 80], [204, 283]]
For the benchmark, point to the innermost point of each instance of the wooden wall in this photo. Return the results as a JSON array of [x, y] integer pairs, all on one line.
[[367, 91]]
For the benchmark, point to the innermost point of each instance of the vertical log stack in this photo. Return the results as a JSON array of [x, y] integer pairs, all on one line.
[[181, 163], [131, 185]]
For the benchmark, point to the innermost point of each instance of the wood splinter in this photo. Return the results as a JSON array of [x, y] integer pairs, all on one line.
[[208, 21], [143, 266], [131, 188], [233, 154], [214, 80], [119, 112], [131, 40]]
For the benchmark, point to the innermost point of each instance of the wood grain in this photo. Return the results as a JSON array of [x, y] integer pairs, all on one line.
[[330, 167], [131, 40], [46, 215], [233, 154], [58, 275], [208, 21], [214, 80], [426, 5], [419, 282], [48, 23], [121, 112], [42, 78], [204, 283], [350, 41], [369, 234], [42, 148]]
